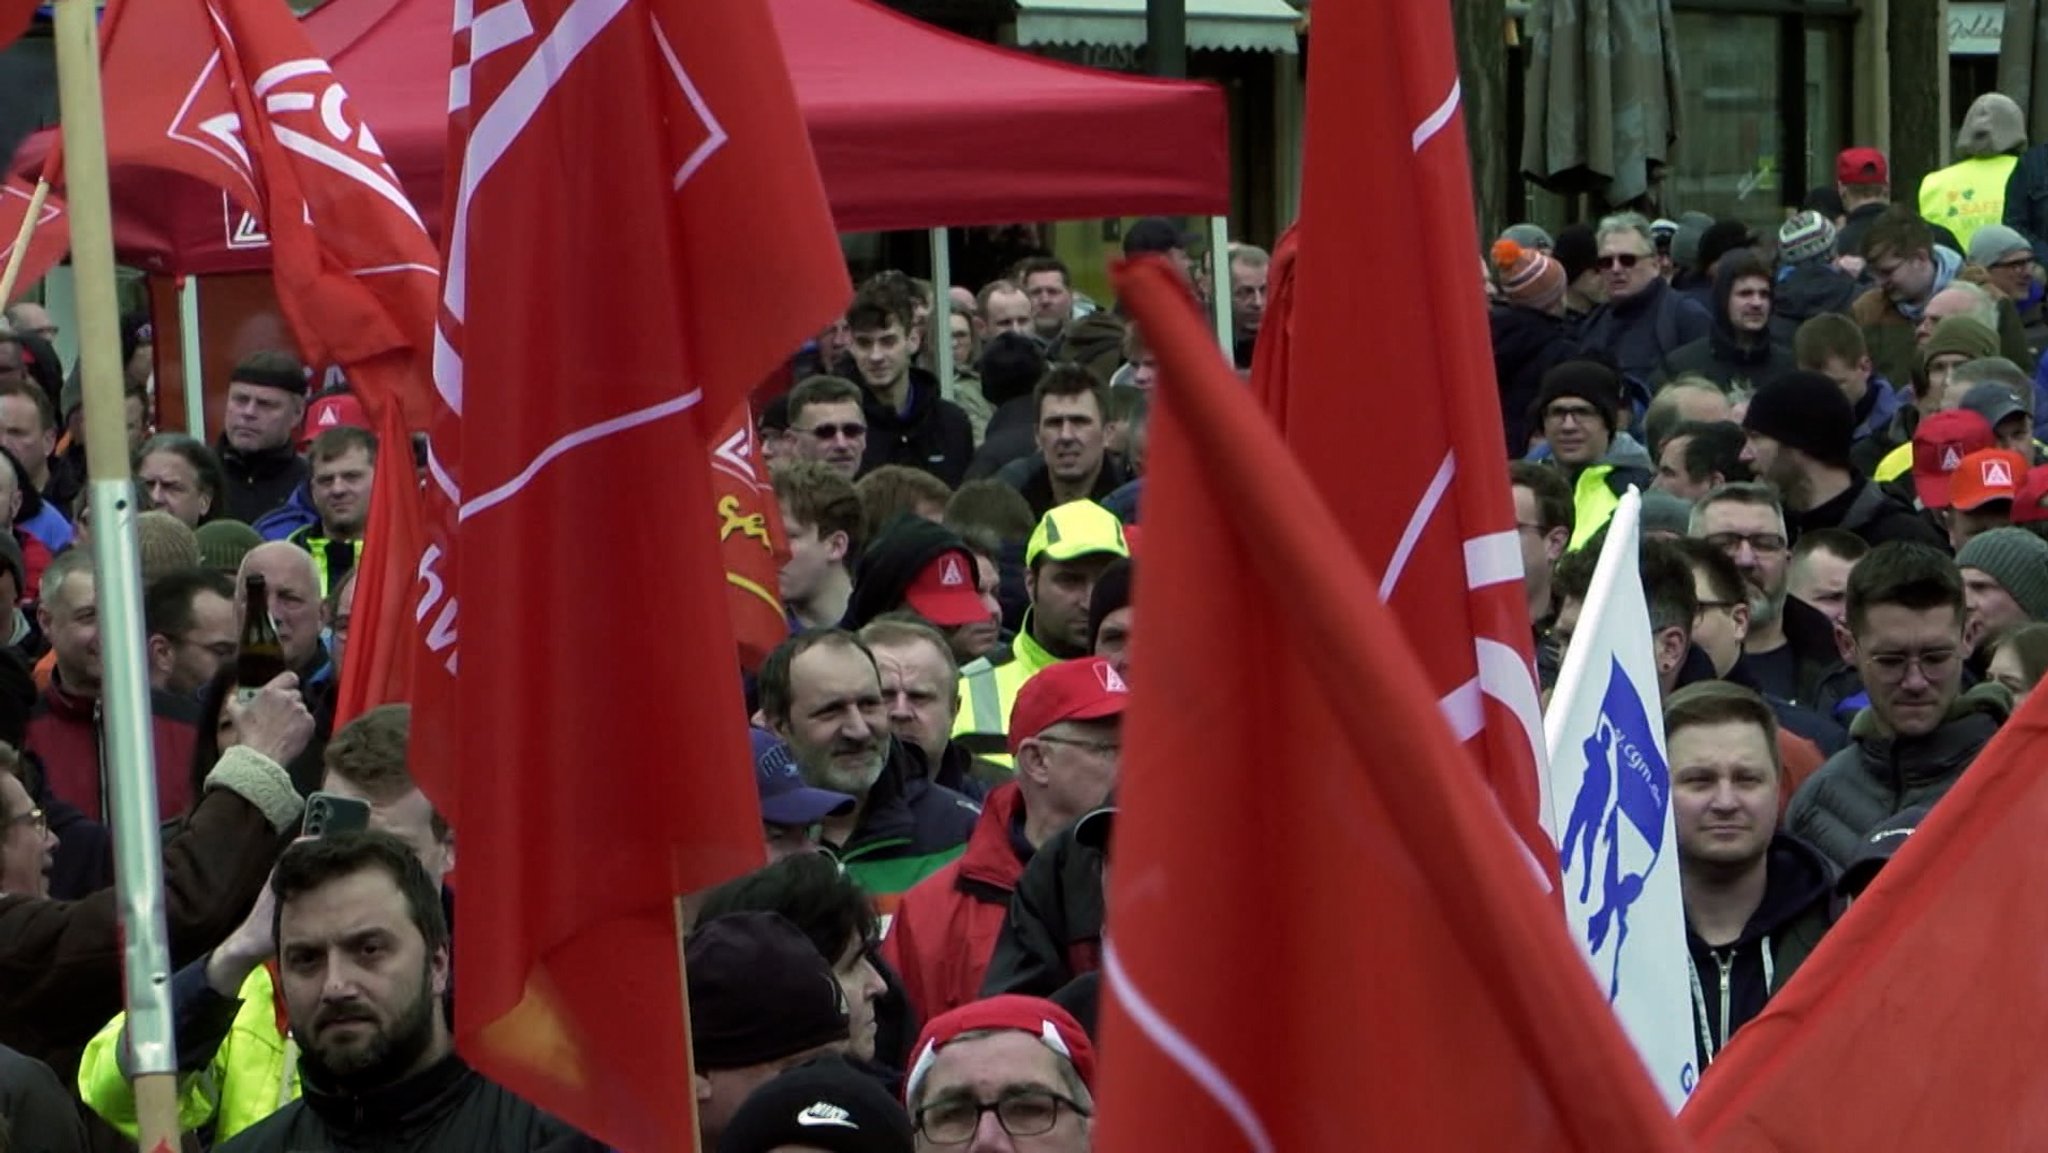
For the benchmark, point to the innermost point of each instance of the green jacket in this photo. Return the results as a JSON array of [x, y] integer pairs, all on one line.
[[254, 1071]]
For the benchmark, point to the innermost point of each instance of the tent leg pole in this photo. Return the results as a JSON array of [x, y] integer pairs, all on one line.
[[1219, 282], [188, 355], [942, 311]]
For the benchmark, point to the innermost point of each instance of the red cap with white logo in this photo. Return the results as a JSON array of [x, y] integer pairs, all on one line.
[[1088, 689], [332, 411], [945, 591]]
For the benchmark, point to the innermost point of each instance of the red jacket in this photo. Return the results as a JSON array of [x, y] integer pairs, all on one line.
[[65, 736], [945, 927]]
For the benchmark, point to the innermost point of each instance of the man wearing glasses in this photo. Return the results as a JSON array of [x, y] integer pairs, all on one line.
[[1644, 319], [1788, 646], [27, 847], [826, 424], [1904, 626], [1008, 1072], [1580, 410]]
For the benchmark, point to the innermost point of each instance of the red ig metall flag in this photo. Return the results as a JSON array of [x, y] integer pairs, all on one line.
[[1385, 141], [637, 234], [46, 245]]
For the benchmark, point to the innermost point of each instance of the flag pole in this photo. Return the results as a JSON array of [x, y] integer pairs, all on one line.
[[21, 239], [138, 863]]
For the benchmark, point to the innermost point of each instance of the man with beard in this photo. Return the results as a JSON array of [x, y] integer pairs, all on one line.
[[363, 964], [1790, 645], [344, 464], [1738, 352], [821, 692], [1800, 432]]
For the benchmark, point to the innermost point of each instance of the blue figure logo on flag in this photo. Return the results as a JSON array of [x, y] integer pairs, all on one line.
[[1617, 821]]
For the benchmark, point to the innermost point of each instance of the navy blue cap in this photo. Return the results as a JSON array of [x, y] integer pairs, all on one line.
[[785, 799]]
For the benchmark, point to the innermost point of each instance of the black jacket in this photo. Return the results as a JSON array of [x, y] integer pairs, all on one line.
[[908, 816], [2026, 198], [1721, 356], [259, 481], [40, 1115], [1736, 979], [449, 1108], [1054, 931], [1804, 291], [934, 435], [886, 567], [1881, 776], [1640, 332], [1870, 513], [1526, 344], [1012, 434], [1030, 477]]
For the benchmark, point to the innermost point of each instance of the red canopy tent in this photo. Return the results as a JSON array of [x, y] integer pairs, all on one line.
[[909, 124]]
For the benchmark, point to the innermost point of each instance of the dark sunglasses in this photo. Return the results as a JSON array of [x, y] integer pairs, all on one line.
[[829, 431], [1620, 260]]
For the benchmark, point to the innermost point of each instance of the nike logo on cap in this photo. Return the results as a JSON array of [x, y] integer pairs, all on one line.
[[825, 1113]]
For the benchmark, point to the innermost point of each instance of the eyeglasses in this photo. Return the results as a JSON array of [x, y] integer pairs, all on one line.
[[1583, 413], [1099, 748], [825, 432], [1538, 529], [1025, 1114], [2013, 263], [1760, 542], [1619, 260], [40, 822], [1894, 666]]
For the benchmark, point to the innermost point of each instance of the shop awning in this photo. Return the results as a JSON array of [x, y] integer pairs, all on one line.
[[1223, 25]]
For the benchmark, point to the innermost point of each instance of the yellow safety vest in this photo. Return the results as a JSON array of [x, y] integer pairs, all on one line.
[[1894, 464], [988, 690], [1967, 195], [1593, 505]]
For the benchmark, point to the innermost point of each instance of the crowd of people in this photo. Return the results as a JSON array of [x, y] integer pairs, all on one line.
[[1844, 561]]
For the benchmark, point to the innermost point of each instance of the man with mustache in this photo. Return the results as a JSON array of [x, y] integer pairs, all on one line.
[[1756, 900], [821, 692], [363, 964], [1905, 635]]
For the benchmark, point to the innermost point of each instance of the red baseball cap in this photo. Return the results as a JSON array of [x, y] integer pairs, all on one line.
[[1087, 689], [945, 591], [1053, 1026], [1939, 446], [332, 411], [1862, 166], [2030, 503], [1986, 475]]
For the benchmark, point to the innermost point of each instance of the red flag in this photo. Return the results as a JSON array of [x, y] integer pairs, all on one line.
[[637, 236], [46, 245], [1917, 1023], [232, 92], [1413, 981], [750, 539], [14, 18], [1385, 141]]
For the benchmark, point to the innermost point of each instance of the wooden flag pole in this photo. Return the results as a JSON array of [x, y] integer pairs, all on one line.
[[26, 233], [138, 860]]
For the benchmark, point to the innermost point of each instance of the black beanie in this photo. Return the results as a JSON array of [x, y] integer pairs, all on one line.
[[1576, 249], [1590, 381], [1112, 592], [1806, 411], [891, 562], [1721, 238], [1010, 367]]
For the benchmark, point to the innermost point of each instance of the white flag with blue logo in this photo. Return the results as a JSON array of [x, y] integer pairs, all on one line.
[[1616, 844]]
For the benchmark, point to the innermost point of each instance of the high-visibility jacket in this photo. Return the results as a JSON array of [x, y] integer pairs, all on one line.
[[1967, 195], [1593, 504], [1899, 461], [332, 559], [988, 690], [253, 1073]]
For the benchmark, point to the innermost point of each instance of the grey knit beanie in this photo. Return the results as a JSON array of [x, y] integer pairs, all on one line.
[[2016, 559]]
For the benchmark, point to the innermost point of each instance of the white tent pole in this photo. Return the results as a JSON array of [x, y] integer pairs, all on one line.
[[188, 355], [1219, 282], [942, 310]]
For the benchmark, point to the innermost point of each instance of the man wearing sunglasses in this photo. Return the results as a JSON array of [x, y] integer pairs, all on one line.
[[1644, 320], [826, 424]]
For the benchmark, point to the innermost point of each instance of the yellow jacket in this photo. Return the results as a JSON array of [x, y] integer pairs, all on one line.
[[1967, 195], [988, 690], [253, 1073]]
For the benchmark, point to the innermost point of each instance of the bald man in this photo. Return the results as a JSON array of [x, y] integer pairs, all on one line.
[[292, 587]]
